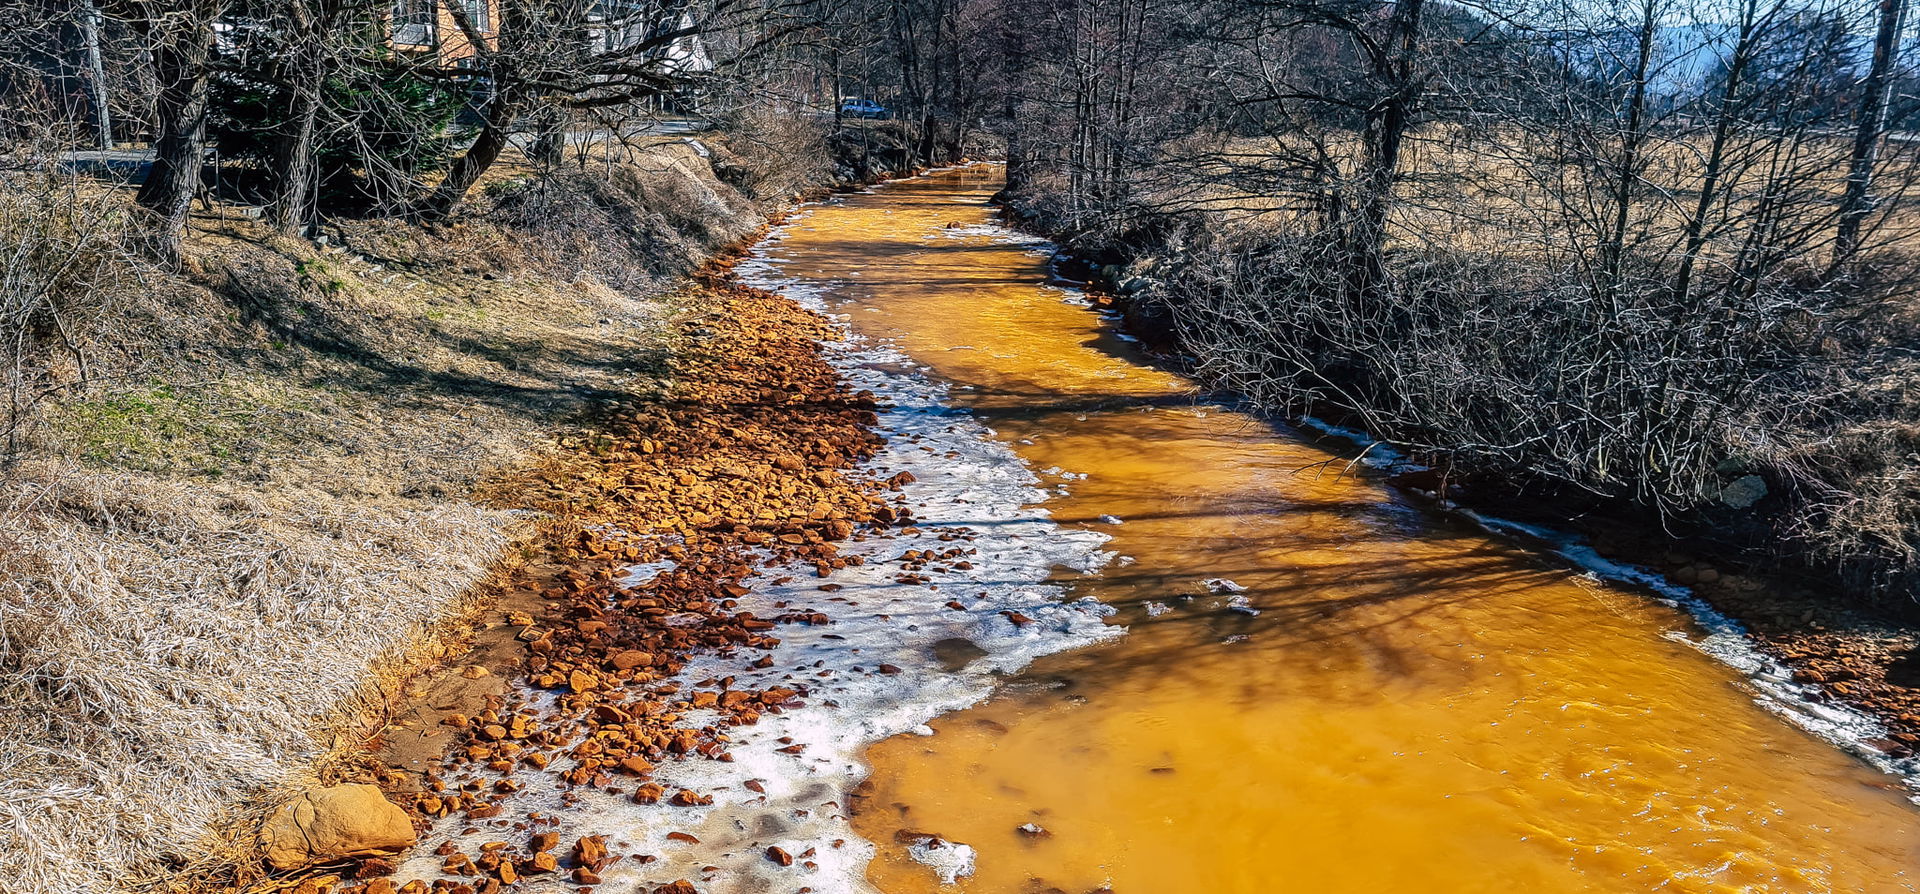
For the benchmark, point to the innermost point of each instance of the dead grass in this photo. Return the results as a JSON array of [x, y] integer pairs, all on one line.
[[216, 569], [175, 649]]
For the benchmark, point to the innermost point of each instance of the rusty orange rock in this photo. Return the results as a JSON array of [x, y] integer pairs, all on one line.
[[752, 454], [590, 850], [631, 658], [333, 823]]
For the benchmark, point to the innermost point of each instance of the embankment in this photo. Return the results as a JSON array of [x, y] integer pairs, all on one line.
[[244, 520]]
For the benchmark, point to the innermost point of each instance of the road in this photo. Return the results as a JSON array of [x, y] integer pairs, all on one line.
[[131, 165]]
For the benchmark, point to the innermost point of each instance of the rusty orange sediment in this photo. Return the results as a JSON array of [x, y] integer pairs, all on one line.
[[739, 588], [749, 460]]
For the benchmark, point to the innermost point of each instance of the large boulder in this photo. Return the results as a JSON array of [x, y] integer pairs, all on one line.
[[333, 823]]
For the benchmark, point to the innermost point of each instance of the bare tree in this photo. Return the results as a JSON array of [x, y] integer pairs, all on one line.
[[178, 39], [1875, 97]]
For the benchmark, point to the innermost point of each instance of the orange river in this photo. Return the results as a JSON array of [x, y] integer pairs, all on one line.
[[1416, 707]]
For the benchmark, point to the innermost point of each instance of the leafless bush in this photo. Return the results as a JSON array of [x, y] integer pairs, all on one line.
[[772, 154], [1628, 248], [67, 260]]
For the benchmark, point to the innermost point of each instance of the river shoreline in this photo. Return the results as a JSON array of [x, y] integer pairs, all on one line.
[[799, 661], [1197, 491]]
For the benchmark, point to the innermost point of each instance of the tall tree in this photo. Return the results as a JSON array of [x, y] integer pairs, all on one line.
[[178, 38], [1876, 92]]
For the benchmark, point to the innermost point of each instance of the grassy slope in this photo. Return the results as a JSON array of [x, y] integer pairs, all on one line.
[[217, 566]]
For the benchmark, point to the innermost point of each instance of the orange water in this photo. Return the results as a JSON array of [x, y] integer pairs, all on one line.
[[1417, 708]]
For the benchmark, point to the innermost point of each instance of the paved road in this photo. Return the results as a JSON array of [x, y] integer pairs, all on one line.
[[131, 165]]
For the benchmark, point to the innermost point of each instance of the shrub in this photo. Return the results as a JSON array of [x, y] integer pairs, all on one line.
[[68, 256]]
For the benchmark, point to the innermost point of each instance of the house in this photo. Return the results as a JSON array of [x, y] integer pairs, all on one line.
[[432, 28]]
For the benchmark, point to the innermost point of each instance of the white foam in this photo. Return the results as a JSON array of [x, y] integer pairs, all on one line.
[[1374, 452], [949, 860]]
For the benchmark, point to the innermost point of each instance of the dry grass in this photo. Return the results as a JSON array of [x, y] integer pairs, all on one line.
[[175, 650], [216, 568]]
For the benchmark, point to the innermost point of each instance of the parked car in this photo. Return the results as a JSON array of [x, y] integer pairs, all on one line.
[[864, 108]]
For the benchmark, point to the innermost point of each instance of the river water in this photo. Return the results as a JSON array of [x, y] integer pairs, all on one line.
[[1391, 702]]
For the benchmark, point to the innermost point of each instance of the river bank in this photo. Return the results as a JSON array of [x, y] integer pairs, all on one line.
[[798, 535], [1841, 652], [1323, 596], [723, 613], [230, 548]]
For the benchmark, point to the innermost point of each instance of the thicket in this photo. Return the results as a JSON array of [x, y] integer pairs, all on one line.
[[391, 127], [70, 264]]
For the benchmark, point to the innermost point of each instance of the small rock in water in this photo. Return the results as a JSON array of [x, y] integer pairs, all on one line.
[[1156, 609], [1033, 831], [1111, 520], [949, 860], [1222, 585], [955, 653], [1240, 604]]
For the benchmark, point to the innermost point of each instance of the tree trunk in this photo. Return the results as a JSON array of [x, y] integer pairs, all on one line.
[[1013, 48], [1743, 50], [1385, 134], [96, 74], [1875, 95], [180, 65], [293, 204], [486, 149], [1613, 249], [550, 135]]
